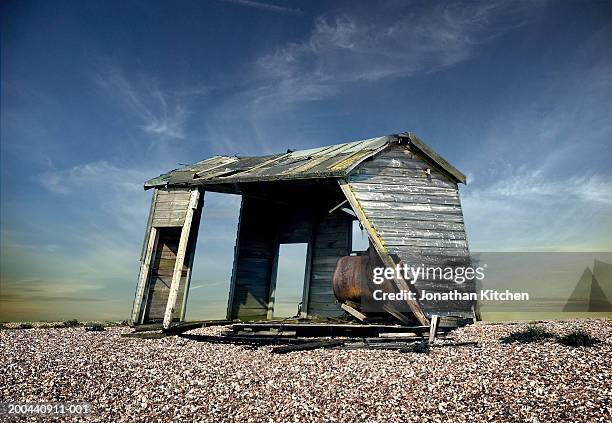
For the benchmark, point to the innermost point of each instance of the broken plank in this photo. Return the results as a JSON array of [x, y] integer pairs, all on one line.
[[187, 326], [356, 314], [433, 328], [252, 340], [144, 335], [307, 346]]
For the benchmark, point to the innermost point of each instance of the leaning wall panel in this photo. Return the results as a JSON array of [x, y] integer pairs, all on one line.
[[417, 216]]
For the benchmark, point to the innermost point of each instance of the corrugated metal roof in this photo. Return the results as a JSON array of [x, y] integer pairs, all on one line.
[[322, 162], [315, 163]]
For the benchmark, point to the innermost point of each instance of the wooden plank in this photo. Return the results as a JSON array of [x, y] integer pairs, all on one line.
[[400, 180], [307, 273], [270, 312], [330, 243], [174, 205], [168, 223], [356, 314], [180, 258], [378, 215], [144, 335], [424, 242], [433, 328], [408, 207], [403, 232], [148, 327], [193, 238], [143, 277], [337, 206], [258, 227], [183, 327], [307, 346], [328, 329], [401, 225], [230, 301], [407, 198], [375, 185], [145, 241], [383, 254]]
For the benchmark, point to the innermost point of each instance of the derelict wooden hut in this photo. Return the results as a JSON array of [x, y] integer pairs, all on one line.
[[402, 193]]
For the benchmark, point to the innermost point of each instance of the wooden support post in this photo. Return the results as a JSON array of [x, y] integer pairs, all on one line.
[[230, 300], [195, 226], [273, 273], [180, 258], [143, 277], [307, 272], [146, 256], [187, 283], [433, 328], [383, 254]]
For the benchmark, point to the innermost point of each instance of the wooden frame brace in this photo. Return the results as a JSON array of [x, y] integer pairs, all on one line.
[[401, 284]]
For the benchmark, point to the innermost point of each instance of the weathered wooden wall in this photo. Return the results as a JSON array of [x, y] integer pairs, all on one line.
[[167, 217], [254, 260], [170, 207], [331, 241], [264, 225], [160, 277], [417, 216]]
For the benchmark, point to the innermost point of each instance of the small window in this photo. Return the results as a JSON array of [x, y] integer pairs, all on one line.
[[359, 238]]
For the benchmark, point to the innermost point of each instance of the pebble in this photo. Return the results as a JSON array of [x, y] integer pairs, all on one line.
[[173, 378]]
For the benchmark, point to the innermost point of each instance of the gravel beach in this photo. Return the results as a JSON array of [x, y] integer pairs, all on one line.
[[173, 378]]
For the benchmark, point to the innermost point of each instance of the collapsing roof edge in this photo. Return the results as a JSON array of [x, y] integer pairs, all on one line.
[[331, 161]]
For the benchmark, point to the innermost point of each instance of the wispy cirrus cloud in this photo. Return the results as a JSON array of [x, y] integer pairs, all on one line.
[[534, 212], [93, 174], [403, 42], [161, 113], [541, 174], [269, 7], [352, 49]]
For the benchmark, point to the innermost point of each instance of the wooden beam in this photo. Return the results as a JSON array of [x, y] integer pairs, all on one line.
[[145, 241], [378, 244], [272, 285], [356, 314], [433, 328], [308, 270], [230, 300], [193, 238], [336, 207], [307, 346], [180, 258], [143, 277], [308, 330]]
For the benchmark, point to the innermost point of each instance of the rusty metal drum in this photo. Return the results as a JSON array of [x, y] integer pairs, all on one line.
[[351, 277]]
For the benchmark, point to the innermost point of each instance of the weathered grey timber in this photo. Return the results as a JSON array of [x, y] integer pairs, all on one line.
[[402, 193]]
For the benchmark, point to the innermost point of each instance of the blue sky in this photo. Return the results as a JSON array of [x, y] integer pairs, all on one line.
[[97, 97]]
